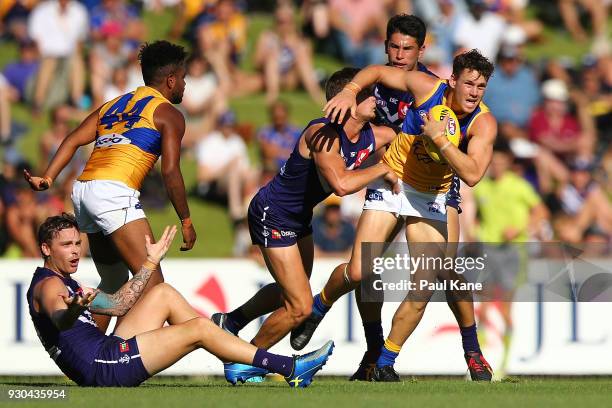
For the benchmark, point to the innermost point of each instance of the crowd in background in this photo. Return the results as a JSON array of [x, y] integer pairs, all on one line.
[[555, 114]]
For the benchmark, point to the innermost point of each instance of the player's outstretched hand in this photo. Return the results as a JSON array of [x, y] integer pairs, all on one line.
[[189, 237], [37, 183], [337, 107], [157, 251], [79, 302], [433, 128]]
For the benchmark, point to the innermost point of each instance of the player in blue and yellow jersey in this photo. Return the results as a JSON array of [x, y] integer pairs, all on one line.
[[142, 344], [130, 133], [425, 184], [325, 160]]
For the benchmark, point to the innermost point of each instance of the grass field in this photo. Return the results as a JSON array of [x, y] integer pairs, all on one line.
[[334, 392]]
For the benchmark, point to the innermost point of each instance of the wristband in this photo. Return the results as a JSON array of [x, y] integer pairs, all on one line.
[[150, 265], [353, 87], [446, 145], [186, 222], [48, 179]]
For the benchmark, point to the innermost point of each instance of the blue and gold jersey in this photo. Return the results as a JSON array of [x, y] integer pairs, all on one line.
[[407, 155], [127, 142]]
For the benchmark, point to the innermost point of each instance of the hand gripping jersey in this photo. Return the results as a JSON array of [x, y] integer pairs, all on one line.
[[299, 187], [73, 350], [127, 143], [407, 156], [392, 104]]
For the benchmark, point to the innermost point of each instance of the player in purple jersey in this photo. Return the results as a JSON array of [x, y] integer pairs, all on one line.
[[141, 345], [325, 159]]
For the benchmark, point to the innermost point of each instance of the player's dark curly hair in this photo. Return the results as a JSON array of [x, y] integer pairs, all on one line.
[[53, 225], [339, 79], [472, 60], [160, 59], [407, 24]]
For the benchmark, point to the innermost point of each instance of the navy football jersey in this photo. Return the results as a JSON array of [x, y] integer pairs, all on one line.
[[299, 187], [73, 350]]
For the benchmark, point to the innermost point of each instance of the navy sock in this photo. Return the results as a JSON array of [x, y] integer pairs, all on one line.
[[318, 307], [374, 335], [469, 339], [273, 362], [388, 353], [236, 320]]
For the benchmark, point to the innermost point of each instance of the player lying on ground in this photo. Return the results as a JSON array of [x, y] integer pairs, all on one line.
[[130, 133], [325, 160], [141, 345], [424, 183]]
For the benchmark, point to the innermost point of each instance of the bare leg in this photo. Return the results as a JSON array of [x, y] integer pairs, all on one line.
[[160, 347], [464, 308], [77, 77], [567, 8], [285, 265], [410, 312], [373, 226]]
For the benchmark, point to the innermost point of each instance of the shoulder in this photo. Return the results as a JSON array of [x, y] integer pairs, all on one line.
[[321, 137], [383, 134], [167, 115], [49, 286], [484, 124]]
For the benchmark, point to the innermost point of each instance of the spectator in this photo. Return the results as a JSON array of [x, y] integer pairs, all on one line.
[[20, 74], [221, 39], [555, 128], [332, 235], [316, 25], [204, 99], [118, 85], [360, 29], [480, 29], [14, 17], [277, 140], [285, 58], [224, 173], [512, 92], [106, 55], [443, 26], [585, 209], [59, 27], [117, 12]]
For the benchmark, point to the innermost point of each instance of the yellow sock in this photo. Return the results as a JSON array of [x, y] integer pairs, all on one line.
[[324, 299], [391, 346]]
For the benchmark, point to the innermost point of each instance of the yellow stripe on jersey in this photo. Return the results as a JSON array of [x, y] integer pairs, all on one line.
[[127, 142]]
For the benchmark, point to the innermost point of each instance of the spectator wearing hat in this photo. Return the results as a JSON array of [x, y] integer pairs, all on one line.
[[512, 92], [554, 127], [224, 173]]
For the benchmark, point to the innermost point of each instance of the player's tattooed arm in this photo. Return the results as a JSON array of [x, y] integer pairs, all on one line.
[[120, 302]]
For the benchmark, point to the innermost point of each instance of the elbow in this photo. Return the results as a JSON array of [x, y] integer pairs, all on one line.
[[471, 181], [340, 189]]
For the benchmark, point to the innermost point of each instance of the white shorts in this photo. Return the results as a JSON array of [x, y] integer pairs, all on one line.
[[408, 203], [104, 205]]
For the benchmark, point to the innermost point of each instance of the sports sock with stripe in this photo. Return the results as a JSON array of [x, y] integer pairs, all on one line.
[[469, 339], [388, 354], [320, 305], [273, 362]]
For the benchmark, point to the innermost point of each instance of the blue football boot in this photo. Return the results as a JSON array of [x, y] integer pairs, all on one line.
[[307, 365], [235, 372]]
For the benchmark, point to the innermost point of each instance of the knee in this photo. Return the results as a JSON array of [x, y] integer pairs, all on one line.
[[353, 272], [299, 312], [162, 291]]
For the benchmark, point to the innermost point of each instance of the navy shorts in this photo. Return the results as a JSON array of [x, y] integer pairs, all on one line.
[[118, 364], [453, 196], [271, 228]]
